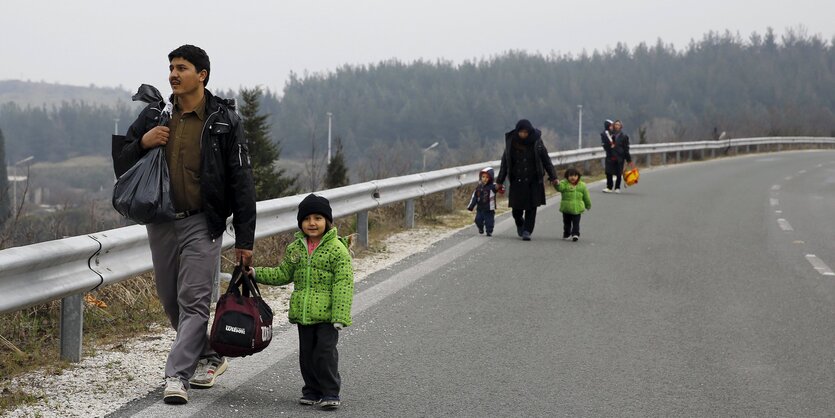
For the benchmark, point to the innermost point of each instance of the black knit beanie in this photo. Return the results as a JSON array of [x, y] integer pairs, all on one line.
[[314, 204]]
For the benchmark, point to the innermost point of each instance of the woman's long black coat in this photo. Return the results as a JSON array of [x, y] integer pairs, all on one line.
[[533, 196]]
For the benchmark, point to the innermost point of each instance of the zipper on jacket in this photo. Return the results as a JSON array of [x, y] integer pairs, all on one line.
[[307, 284], [307, 274], [203, 131]]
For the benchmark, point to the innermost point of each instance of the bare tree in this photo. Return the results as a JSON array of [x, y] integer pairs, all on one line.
[[314, 168]]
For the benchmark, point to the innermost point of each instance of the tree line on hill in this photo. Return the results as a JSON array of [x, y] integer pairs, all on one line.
[[386, 114]]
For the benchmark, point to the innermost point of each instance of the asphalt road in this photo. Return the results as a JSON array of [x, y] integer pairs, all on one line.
[[691, 294]]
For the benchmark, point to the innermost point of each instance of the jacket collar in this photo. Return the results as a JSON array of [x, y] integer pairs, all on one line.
[[331, 234]]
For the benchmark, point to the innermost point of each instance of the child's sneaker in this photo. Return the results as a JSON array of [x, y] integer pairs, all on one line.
[[329, 402], [575, 238], [175, 392], [309, 400], [607, 190], [207, 371], [566, 237], [617, 190]]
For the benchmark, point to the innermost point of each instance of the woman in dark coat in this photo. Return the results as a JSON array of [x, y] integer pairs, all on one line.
[[524, 163]]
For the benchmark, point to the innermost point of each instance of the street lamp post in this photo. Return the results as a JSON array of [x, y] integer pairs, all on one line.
[[580, 129], [116, 126], [14, 182], [424, 154], [330, 115]]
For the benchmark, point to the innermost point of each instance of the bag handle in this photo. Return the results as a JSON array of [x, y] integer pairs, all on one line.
[[242, 283]]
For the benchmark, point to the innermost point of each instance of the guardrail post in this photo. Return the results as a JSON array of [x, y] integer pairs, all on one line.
[[409, 217], [678, 157], [713, 153], [779, 147], [72, 324], [649, 160], [449, 201], [664, 158], [690, 155], [362, 228], [603, 164], [586, 167]]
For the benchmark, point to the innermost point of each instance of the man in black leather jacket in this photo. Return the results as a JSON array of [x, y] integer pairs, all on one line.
[[211, 178]]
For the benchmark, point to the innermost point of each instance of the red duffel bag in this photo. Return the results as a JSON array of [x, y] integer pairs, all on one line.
[[243, 322]]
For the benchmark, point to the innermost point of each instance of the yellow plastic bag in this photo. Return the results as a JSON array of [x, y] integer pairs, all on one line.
[[631, 176]]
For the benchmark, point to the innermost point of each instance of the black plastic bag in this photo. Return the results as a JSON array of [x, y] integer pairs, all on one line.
[[148, 94], [142, 194]]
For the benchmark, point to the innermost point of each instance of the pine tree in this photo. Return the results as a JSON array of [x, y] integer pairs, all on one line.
[[5, 205], [337, 175], [270, 182]]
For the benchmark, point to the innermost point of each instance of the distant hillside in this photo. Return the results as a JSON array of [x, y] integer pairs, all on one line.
[[28, 93]]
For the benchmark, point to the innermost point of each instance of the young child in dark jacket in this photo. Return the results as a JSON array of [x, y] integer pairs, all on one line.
[[484, 201], [318, 262], [575, 201]]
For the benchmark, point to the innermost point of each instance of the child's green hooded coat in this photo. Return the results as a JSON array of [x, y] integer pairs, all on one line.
[[575, 199], [324, 280]]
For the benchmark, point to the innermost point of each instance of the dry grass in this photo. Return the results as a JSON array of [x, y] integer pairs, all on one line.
[[129, 309]]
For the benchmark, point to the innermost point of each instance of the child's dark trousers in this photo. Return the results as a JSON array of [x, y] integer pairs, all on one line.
[[570, 225], [485, 220], [319, 360]]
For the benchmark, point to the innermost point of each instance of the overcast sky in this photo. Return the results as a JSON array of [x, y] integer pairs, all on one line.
[[112, 43]]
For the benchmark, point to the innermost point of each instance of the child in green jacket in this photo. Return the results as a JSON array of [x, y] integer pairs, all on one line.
[[575, 200], [319, 264]]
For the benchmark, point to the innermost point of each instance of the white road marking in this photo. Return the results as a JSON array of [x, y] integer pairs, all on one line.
[[773, 201], [784, 225], [788, 178], [801, 172], [819, 265], [778, 211], [775, 187]]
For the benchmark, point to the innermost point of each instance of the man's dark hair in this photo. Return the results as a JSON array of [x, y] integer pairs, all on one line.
[[195, 55]]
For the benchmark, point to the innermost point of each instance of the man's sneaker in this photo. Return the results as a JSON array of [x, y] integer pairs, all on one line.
[[617, 190], [489, 234], [329, 402], [526, 236], [607, 190], [575, 238], [307, 400], [480, 231], [207, 371], [175, 392]]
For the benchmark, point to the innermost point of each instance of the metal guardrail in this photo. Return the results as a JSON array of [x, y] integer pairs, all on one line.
[[67, 268]]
